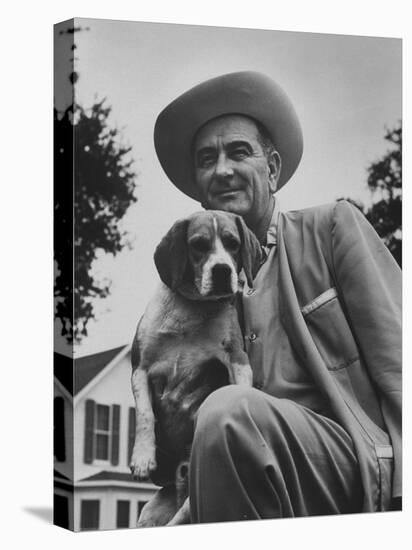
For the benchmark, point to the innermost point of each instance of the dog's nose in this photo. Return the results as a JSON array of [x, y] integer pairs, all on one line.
[[221, 275], [221, 271]]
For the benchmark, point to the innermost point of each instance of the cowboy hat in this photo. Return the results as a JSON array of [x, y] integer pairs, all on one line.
[[246, 93]]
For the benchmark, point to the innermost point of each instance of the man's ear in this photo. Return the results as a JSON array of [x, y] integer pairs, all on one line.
[[171, 255], [250, 251], [275, 167]]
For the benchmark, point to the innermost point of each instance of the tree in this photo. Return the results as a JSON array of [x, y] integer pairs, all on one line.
[[97, 191], [385, 183], [385, 180]]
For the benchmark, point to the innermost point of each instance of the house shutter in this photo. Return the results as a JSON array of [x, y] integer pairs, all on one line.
[[115, 434], [132, 432], [59, 429], [89, 431]]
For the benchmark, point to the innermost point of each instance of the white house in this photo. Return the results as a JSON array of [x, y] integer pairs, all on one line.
[[93, 437]]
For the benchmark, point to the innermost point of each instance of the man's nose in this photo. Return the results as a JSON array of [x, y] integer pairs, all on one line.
[[224, 167]]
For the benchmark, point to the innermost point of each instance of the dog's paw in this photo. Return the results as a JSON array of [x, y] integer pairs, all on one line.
[[143, 463]]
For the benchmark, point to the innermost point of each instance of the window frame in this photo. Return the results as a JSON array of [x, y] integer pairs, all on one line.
[[98, 431]]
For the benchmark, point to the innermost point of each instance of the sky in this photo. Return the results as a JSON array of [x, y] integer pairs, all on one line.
[[346, 91]]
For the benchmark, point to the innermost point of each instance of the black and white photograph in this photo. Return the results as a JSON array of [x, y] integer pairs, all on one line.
[[205, 316], [228, 329]]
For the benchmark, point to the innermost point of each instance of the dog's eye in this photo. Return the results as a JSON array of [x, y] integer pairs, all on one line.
[[200, 245], [230, 243]]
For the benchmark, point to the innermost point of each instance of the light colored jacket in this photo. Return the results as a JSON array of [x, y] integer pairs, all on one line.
[[340, 304]]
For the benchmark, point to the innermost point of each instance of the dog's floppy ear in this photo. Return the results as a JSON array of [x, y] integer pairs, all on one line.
[[171, 255], [250, 251]]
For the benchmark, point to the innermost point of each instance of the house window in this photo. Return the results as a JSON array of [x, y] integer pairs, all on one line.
[[102, 424], [123, 513], [89, 514], [140, 504], [102, 432]]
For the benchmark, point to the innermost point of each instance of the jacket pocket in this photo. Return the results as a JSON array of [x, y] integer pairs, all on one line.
[[333, 338], [330, 330]]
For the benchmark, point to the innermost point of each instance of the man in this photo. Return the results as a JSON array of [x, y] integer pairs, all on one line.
[[320, 432]]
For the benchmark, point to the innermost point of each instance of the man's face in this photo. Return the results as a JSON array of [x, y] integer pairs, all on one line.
[[231, 168]]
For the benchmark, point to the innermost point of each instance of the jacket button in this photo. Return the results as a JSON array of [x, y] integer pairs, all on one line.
[[250, 291], [252, 337]]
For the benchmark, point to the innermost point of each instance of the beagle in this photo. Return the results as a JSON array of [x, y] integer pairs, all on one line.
[[188, 342]]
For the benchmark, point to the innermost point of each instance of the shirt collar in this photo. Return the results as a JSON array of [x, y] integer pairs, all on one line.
[[271, 236]]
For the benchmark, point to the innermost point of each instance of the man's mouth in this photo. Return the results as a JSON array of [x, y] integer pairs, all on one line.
[[227, 194]]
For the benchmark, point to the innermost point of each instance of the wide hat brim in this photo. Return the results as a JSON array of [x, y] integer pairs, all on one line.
[[247, 93]]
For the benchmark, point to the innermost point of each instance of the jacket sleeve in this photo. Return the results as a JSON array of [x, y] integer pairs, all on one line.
[[369, 284]]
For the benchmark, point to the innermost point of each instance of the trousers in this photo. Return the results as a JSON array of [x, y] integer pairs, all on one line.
[[255, 456]]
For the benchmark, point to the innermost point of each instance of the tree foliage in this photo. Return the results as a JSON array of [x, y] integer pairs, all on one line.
[[94, 182], [385, 181]]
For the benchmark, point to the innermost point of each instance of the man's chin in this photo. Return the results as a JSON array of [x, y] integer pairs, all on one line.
[[233, 206]]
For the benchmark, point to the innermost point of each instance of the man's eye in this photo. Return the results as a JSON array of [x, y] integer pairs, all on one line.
[[206, 160], [239, 154]]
